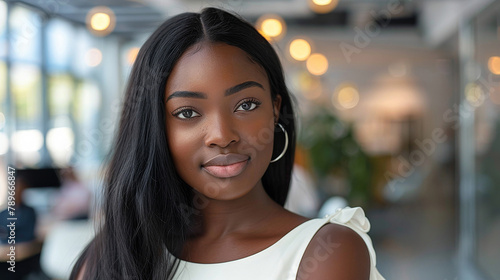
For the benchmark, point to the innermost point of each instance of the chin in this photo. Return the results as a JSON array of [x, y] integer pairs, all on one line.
[[226, 189]]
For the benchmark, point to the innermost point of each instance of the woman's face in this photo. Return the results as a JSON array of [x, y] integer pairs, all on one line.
[[220, 120]]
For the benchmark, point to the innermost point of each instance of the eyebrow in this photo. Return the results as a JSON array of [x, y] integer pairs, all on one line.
[[229, 91]]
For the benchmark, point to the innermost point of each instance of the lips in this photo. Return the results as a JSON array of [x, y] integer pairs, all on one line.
[[226, 165]]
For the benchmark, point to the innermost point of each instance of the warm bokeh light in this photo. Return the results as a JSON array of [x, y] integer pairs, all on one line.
[[93, 57], [132, 55], [346, 97], [323, 6], [317, 64], [300, 49], [393, 98], [271, 26], [322, 2], [100, 20], [494, 65]]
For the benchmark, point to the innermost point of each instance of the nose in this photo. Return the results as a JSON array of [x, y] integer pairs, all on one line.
[[220, 132]]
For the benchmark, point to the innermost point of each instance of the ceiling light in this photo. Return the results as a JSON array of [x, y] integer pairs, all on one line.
[[271, 26], [494, 65], [346, 97], [100, 20], [300, 49], [317, 64], [323, 6]]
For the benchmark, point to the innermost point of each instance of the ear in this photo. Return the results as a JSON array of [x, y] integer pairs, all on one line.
[[276, 108]]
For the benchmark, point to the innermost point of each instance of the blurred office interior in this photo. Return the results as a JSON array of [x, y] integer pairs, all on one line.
[[398, 108]]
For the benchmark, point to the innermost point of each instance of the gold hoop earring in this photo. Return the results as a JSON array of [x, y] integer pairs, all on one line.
[[286, 145]]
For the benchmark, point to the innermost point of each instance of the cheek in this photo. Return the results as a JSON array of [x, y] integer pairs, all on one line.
[[183, 144], [258, 138]]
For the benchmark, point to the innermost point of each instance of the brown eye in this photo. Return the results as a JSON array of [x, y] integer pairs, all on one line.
[[186, 114]]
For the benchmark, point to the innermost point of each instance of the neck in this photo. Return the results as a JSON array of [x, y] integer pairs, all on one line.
[[221, 218]]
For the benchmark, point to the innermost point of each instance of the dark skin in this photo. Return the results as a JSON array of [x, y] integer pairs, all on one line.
[[238, 218]]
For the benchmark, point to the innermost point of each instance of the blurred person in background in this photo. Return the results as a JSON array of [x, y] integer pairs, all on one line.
[[73, 201], [22, 236]]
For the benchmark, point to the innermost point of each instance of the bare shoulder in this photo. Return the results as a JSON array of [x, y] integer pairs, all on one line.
[[335, 252]]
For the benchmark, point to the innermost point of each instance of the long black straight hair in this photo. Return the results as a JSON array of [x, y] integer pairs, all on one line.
[[145, 201]]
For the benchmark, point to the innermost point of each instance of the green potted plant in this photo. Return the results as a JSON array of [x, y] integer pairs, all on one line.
[[333, 152]]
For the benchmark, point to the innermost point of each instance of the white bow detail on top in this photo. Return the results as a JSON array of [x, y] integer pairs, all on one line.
[[355, 219]]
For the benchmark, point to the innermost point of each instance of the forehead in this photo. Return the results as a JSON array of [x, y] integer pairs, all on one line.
[[208, 64]]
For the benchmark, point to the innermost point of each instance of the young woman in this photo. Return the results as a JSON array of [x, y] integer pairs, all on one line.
[[201, 167]]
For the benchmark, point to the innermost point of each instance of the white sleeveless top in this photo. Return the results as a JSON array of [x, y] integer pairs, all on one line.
[[281, 260]]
